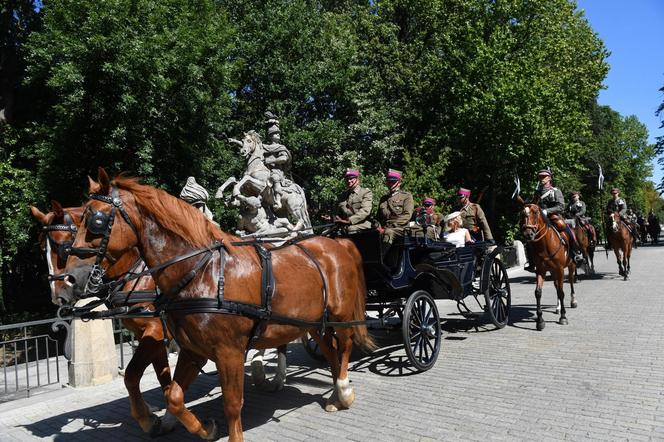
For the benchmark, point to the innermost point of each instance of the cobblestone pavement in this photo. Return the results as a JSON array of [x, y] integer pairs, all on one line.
[[598, 378]]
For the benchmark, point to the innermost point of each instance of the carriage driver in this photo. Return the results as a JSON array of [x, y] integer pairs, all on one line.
[[576, 209], [552, 203], [394, 210], [473, 217], [354, 205]]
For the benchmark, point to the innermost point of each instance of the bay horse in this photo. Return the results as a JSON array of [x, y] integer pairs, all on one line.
[[59, 232], [550, 254], [620, 239], [586, 245], [318, 287]]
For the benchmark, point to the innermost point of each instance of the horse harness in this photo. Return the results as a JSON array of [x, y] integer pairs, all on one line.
[[263, 313], [544, 229]]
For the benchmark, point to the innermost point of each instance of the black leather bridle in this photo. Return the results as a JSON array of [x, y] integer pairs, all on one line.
[[101, 224], [63, 248]]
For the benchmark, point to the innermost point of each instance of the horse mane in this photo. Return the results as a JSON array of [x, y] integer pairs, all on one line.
[[172, 213]]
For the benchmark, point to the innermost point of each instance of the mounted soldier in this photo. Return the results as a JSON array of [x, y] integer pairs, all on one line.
[[576, 210], [354, 205], [552, 202], [394, 210], [473, 217], [617, 204]]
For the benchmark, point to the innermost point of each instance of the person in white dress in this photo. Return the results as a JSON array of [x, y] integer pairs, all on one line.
[[454, 233]]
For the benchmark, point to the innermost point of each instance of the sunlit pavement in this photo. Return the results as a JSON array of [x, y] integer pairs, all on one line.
[[600, 377]]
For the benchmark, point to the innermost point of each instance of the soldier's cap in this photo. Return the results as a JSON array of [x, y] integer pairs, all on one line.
[[351, 173], [544, 172], [428, 201], [615, 190], [274, 129], [452, 215], [393, 175], [463, 192]]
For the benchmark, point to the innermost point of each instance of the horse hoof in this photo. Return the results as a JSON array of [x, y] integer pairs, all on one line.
[[334, 404], [573, 304], [211, 428], [347, 401], [168, 423], [562, 321], [540, 326]]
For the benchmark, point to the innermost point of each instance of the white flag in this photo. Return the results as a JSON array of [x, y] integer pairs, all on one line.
[[517, 189]]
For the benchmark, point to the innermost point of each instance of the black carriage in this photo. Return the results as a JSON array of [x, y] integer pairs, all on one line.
[[403, 291]]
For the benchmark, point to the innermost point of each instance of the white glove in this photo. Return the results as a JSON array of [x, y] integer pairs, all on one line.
[[544, 212]]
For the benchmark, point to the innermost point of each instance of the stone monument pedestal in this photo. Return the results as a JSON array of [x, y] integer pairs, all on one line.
[[93, 355]]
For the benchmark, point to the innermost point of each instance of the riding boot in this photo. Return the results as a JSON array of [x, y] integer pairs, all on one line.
[[574, 246]]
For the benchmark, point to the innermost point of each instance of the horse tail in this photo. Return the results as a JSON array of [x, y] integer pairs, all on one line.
[[361, 336]]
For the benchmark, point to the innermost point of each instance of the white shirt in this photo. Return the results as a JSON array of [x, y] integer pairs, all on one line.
[[457, 238]]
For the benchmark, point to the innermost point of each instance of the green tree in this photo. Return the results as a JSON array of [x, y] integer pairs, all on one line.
[[136, 86]]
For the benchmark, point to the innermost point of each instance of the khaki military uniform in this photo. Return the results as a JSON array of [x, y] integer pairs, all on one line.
[[475, 221], [355, 205], [394, 213]]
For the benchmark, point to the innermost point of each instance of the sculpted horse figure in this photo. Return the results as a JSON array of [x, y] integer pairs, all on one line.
[[59, 232], [198, 268], [620, 239], [256, 182], [551, 254]]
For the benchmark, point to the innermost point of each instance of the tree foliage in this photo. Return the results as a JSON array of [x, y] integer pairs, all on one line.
[[453, 92]]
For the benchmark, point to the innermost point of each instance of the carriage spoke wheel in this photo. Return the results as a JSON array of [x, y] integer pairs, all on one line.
[[498, 295], [421, 330], [311, 347]]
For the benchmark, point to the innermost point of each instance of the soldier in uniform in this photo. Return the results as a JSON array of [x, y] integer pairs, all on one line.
[[473, 217], [427, 217], [617, 204], [394, 210], [354, 205], [576, 209], [277, 158], [552, 203]]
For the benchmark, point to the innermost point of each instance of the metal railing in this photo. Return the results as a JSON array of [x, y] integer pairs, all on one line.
[[30, 361], [32, 358]]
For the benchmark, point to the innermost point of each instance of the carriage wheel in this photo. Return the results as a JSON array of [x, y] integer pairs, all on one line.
[[498, 295], [311, 347], [421, 330]]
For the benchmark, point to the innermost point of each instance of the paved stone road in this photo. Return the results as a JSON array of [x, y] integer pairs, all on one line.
[[599, 378]]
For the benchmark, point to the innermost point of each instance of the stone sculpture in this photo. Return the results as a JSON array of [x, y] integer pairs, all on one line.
[[268, 198]]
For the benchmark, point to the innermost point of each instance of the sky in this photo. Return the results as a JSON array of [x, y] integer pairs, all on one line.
[[632, 32]]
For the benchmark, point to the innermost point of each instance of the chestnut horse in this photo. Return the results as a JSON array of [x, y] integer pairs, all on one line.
[[550, 254], [195, 262], [586, 245], [621, 242], [60, 228]]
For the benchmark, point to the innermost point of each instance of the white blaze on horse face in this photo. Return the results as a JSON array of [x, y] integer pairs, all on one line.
[[49, 261]]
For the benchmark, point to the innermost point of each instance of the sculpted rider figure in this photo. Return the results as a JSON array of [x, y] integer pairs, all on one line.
[[394, 210], [354, 205], [196, 195], [473, 217], [277, 158]]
